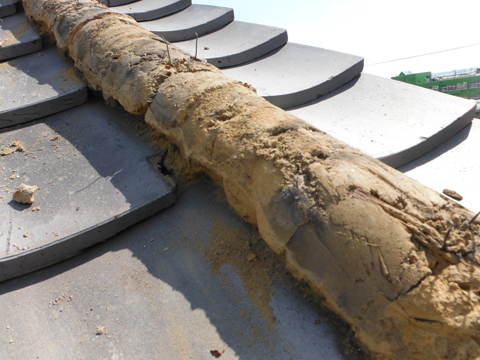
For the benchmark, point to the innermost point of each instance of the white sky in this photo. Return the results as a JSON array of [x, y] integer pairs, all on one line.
[[378, 30]]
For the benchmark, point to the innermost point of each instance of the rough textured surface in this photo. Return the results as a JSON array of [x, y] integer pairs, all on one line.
[[24, 194], [116, 55], [364, 236], [172, 287], [375, 244]]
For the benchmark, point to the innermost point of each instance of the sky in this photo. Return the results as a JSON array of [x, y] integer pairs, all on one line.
[[377, 30]]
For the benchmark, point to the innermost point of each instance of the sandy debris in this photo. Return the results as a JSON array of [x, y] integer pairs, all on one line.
[[101, 330], [18, 145], [24, 194], [58, 300], [6, 151], [453, 194]]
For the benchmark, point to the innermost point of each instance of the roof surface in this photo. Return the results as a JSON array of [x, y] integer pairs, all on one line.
[[168, 287]]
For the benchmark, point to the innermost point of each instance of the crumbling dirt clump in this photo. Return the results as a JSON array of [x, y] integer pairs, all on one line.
[[15, 146], [24, 194]]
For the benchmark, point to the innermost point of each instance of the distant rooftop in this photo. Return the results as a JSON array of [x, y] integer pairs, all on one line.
[[457, 73]]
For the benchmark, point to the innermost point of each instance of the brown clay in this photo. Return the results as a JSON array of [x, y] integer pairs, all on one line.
[[375, 244]]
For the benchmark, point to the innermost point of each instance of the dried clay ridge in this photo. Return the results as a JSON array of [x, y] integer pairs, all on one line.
[[375, 244]]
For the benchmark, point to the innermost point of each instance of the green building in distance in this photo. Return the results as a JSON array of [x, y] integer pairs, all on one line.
[[464, 83]]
